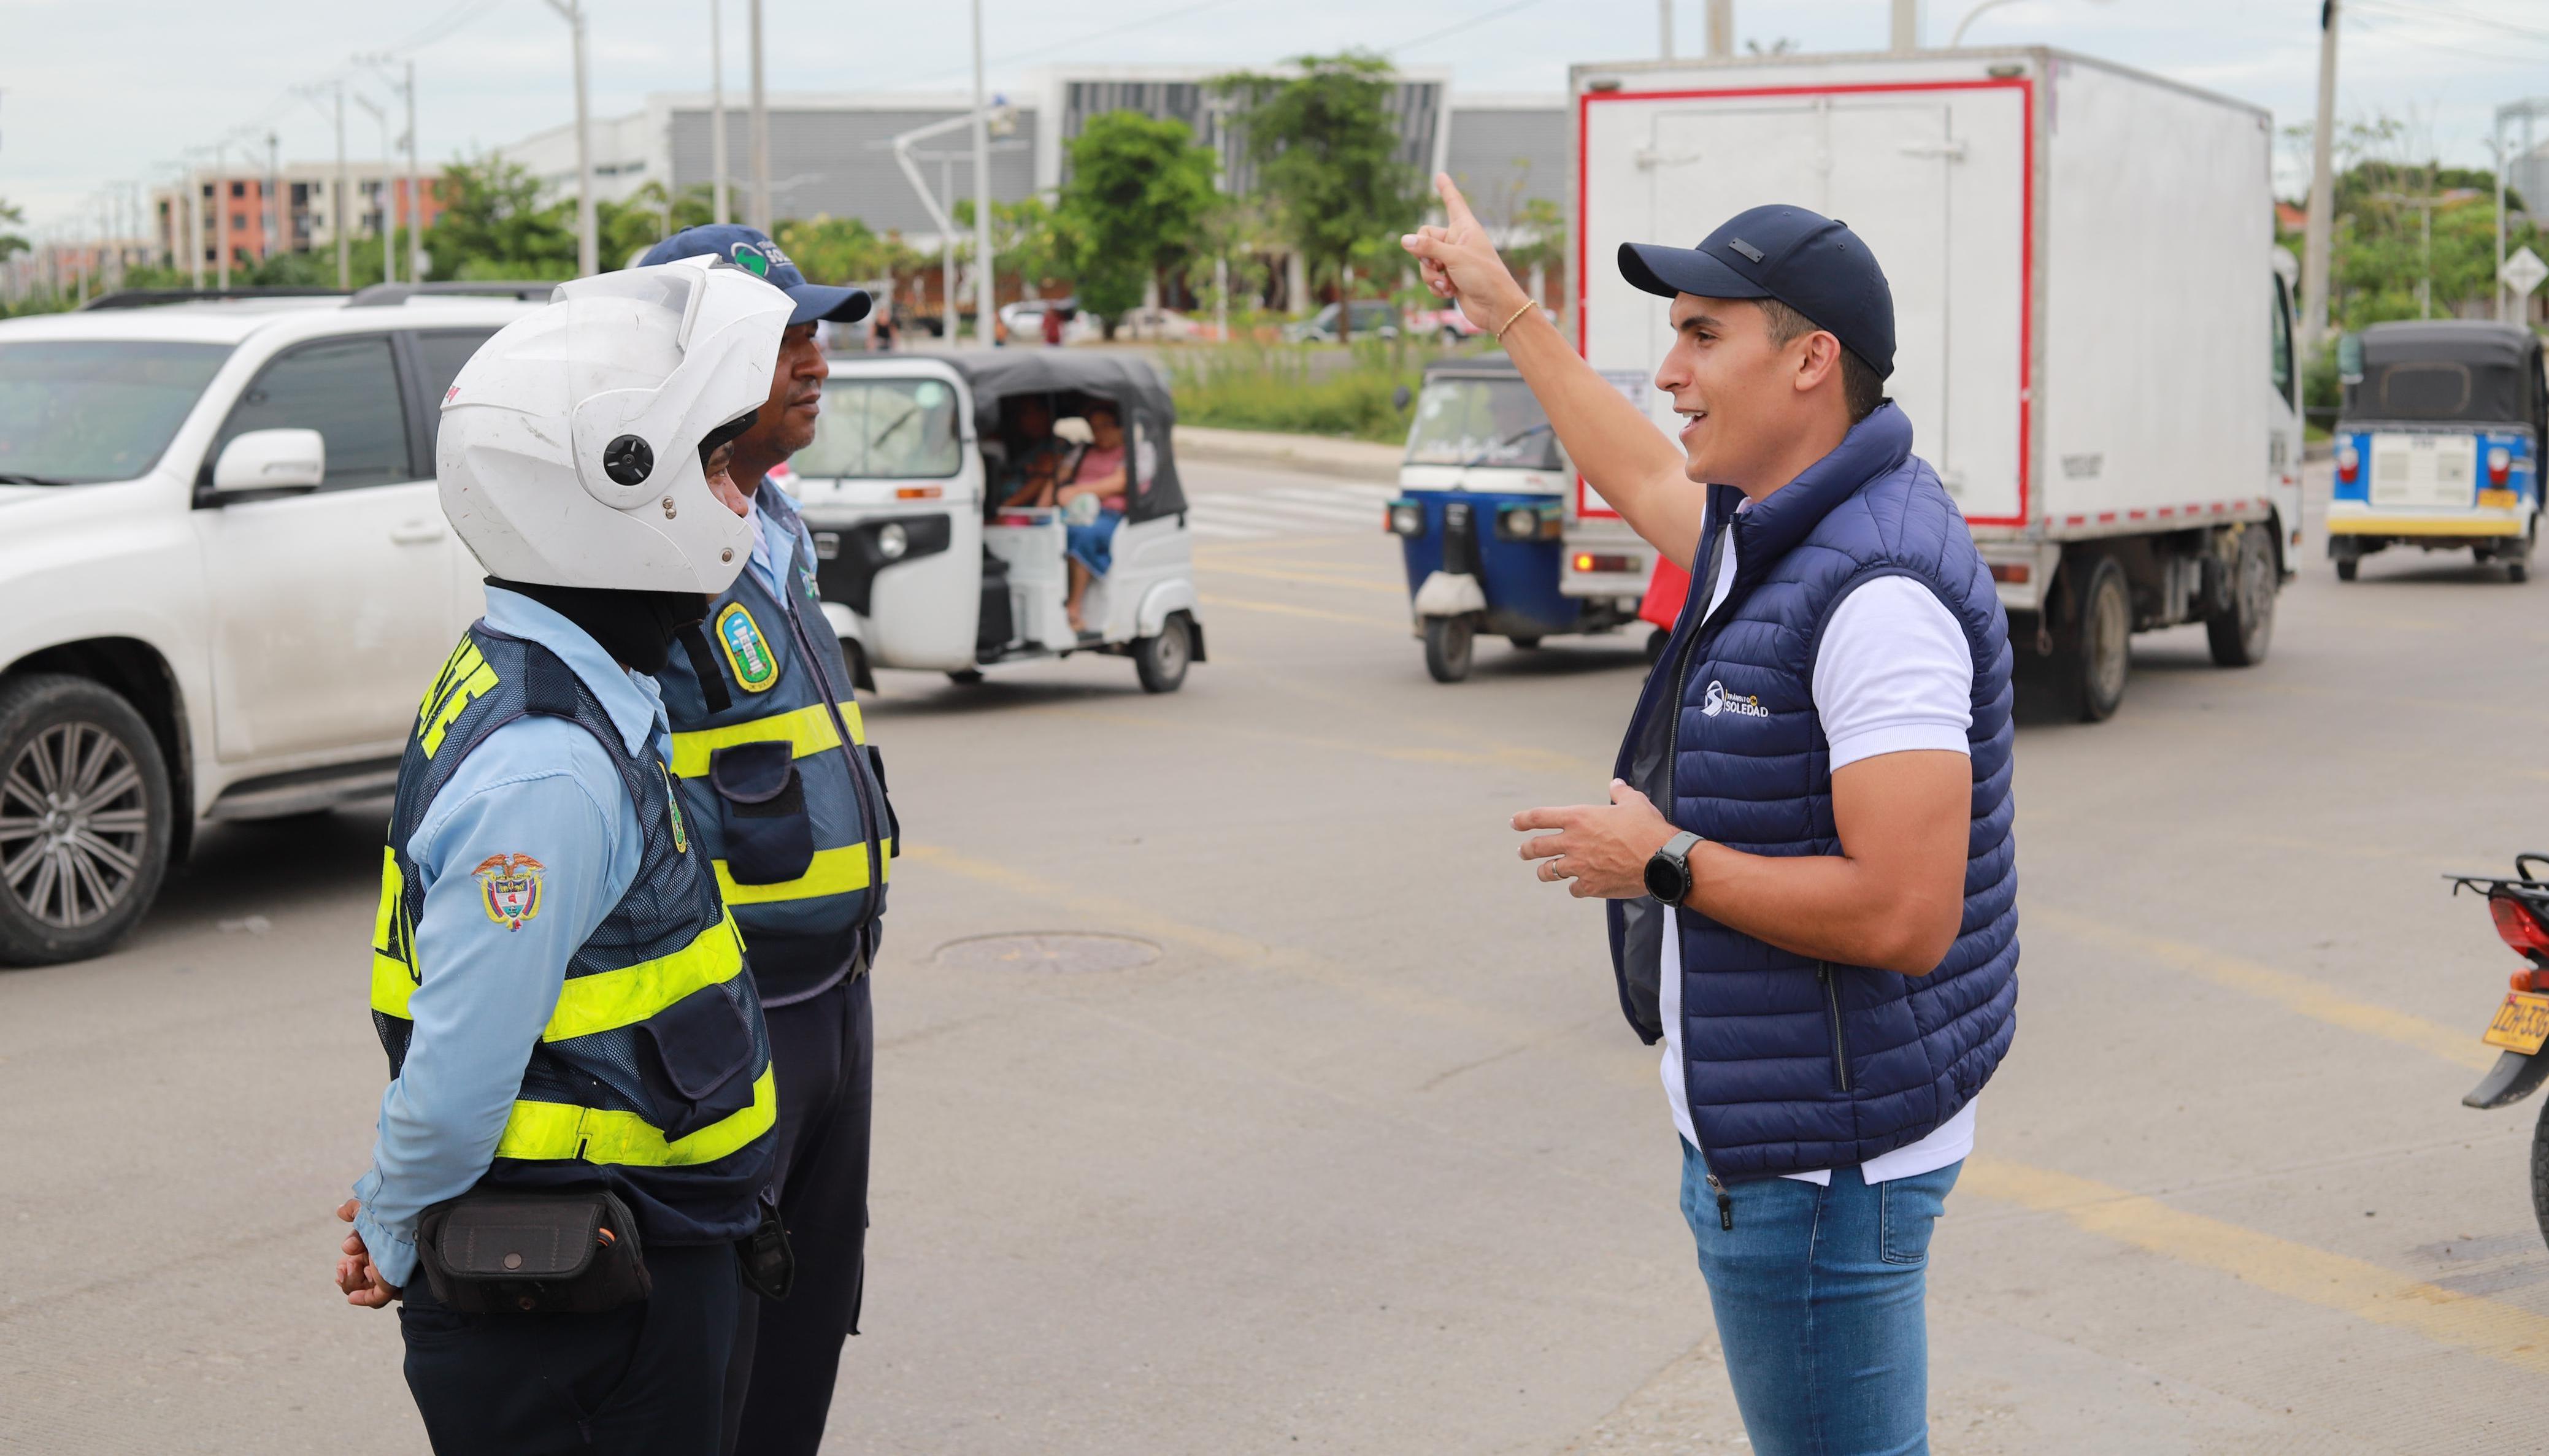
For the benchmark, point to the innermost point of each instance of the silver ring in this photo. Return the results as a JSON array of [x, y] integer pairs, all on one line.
[[1556, 874]]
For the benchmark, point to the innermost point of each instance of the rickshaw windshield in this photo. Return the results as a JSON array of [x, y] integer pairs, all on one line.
[[883, 428], [1480, 421], [2441, 390]]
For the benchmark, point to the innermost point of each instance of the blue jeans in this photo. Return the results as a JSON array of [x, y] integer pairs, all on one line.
[[1817, 1294], [1094, 545]]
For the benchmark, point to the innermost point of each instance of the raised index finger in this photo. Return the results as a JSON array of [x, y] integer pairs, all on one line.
[[1455, 209], [1564, 818]]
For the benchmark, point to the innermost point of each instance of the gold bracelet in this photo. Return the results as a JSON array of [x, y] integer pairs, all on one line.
[[1515, 317]]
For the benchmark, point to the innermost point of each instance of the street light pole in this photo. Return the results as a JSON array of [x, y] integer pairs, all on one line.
[[337, 214], [415, 189], [719, 210], [760, 132], [222, 213], [1721, 28], [588, 244], [2323, 194], [1663, 29], [1907, 27], [984, 275], [274, 209], [388, 219]]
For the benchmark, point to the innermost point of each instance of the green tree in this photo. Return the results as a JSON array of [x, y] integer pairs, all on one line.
[[1027, 238], [626, 229], [1326, 151], [494, 226], [10, 242], [1135, 205], [830, 250]]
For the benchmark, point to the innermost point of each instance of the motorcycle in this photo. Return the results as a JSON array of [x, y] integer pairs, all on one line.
[[2520, 907]]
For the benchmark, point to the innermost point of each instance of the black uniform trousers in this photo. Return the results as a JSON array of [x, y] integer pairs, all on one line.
[[787, 1352], [647, 1380]]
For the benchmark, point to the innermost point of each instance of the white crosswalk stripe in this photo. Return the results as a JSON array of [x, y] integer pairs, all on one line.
[[1288, 511]]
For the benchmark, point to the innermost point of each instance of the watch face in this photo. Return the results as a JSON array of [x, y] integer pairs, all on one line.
[[1666, 881]]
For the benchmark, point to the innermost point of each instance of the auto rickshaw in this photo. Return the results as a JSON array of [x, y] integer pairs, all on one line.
[[2439, 444], [1479, 515], [919, 561]]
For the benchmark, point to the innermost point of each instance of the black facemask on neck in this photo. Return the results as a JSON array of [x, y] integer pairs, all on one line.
[[635, 627]]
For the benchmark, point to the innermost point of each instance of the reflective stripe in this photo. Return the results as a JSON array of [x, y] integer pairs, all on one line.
[[833, 872], [608, 999], [620, 998], [807, 729], [392, 984], [553, 1132]]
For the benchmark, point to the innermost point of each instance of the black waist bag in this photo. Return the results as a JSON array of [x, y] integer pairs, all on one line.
[[532, 1253]]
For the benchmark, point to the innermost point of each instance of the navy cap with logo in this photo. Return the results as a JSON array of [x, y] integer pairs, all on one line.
[[751, 249], [1803, 259]]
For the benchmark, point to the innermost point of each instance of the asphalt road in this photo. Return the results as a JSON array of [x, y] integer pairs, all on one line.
[[1358, 1157]]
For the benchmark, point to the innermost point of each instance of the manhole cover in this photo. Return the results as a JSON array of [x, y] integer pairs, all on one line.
[[1048, 950]]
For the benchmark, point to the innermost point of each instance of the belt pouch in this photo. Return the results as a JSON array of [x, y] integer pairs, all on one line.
[[532, 1253]]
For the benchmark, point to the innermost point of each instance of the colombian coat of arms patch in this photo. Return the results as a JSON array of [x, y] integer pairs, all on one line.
[[509, 887]]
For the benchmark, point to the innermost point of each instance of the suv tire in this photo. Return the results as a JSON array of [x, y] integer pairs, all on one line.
[[85, 819]]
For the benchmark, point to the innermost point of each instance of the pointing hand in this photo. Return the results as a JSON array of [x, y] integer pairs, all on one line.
[[1458, 261]]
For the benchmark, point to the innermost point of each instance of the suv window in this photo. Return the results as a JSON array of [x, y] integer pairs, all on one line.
[[347, 390], [441, 353]]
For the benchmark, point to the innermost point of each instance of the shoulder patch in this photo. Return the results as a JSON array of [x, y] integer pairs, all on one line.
[[509, 885], [756, 669]]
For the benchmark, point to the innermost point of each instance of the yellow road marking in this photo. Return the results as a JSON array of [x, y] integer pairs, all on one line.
[[2298, 994], [1285, 609], [2349, 1286]]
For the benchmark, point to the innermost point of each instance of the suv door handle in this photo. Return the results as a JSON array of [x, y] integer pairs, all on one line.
[[417, 532]]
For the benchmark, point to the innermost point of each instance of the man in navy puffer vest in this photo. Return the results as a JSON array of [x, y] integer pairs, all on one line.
[[1806, 858]]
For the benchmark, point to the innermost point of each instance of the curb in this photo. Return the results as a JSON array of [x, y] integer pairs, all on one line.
[[1317, 454]]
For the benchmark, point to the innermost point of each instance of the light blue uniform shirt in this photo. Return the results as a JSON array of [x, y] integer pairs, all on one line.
[[772, 546], [540, 787]]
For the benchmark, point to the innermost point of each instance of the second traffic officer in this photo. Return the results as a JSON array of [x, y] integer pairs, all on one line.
[[789, 803]]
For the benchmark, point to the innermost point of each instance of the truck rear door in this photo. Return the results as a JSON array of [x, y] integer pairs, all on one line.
[[1930, 175]]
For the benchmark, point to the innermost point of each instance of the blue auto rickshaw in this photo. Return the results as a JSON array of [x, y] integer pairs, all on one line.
[[1480, 515], [2439, 442]]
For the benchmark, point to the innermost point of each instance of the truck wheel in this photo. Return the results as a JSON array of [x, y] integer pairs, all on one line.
[[1160, 661], [1448, 640], [85, 819], [1526, 643], [2518, 572], [2095, 666], [2346, 567], [2241, 634], [966, 676]]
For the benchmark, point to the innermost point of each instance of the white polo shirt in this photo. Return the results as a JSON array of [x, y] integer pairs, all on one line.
[[1894, 674]]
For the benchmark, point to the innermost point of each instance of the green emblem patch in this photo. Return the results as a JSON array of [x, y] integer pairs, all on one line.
[[756, 670], [749, 258], [673, 801]]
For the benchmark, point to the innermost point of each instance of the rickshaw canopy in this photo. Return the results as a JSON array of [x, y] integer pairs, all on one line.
[[2450, 370], [1134, 384]]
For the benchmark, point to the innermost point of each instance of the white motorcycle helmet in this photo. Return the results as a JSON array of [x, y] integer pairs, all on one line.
[[569, 453]]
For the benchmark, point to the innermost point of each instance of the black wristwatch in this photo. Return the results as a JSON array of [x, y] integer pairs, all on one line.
[[1668, 870]]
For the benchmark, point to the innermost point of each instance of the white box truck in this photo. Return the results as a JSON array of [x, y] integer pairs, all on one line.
[[2093, 323]]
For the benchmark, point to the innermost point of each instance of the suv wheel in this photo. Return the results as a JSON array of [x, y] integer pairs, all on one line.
[[85, 819]]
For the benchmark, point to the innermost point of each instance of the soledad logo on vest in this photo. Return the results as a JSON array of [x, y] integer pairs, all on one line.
[[756, 670], [509, 887], [1719, 700]]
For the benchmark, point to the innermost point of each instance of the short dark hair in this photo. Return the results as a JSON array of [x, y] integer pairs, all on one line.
[[1860, 388]]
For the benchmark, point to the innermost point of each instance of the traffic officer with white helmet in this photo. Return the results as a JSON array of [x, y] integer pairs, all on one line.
[[788, 802], [576, 1142]]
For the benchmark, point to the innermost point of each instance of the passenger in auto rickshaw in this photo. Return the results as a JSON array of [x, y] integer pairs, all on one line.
[[1100, 474], [1037, 458]]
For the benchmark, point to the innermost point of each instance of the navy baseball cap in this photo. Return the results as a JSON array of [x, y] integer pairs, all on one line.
[[1803, 259], [751, 249]]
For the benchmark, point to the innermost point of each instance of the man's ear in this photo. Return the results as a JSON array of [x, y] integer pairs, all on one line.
[[1818, 361]]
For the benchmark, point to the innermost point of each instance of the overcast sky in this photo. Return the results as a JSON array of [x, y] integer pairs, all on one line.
[[94, 94]]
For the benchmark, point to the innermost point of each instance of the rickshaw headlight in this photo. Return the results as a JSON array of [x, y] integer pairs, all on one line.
[[1406, 518], [892, 541], [2499, 463], [1518, 523]]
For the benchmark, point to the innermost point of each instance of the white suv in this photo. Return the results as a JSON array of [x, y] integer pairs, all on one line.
[[224, 579]]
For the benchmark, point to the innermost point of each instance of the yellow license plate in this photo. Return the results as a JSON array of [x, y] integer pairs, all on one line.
[[2521, 1024], [2498, 500]]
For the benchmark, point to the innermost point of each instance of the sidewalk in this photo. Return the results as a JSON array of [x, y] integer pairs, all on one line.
[[1360, 460]]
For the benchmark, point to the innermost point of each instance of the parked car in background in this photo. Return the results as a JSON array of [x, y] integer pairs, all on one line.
[[1024, 319], [1450, 326], [1155, 326], [1372, 318], [224, 576]]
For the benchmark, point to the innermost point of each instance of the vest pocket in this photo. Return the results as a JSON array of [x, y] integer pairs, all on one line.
[[769, 837], [699, 1070], [1839, 1039]]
